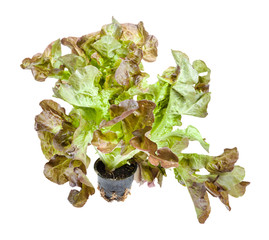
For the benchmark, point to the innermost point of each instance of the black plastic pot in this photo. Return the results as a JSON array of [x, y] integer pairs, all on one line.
[[112, 188]]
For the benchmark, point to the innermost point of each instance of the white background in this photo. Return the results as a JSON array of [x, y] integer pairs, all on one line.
[[230, 36]]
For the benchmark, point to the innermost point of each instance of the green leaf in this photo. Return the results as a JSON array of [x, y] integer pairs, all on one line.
[[196, 161], [188, 74], [116, 159], [239, 189], [196, 109], [84, 80], [165, 115], [190, 133], [85, 43], [203, 72], [72, 62], [229, 179], [106, 46], [183, 95], [88, 122], [190, 99], [82, 90], [114, 29]]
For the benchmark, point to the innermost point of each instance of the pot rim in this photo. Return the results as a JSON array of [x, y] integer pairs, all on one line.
[[113, 179]]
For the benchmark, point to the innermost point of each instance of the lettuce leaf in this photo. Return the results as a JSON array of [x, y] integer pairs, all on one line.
[[106, 46], [162, 156], [223, 179], [64, 140], [147, 172], [173, 138], [181, 90], [46, 64]]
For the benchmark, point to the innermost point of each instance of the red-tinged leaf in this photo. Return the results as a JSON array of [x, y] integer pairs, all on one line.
[[120, 112], [224, 162], [44, 65], [165, 157], [105, 142]]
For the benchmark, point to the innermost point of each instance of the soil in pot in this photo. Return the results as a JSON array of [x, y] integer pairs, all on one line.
[[115, 185]]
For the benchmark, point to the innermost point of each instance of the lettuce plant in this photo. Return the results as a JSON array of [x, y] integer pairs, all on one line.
[[125, 118]]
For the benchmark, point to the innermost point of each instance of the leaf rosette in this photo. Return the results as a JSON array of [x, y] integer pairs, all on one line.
[[125, 118]]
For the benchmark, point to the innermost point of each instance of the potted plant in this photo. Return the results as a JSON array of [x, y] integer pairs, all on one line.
[[130, 123]]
